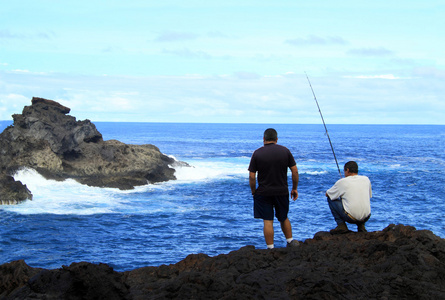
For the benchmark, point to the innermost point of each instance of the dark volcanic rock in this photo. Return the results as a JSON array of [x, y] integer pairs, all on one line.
[[15, 275], [47, 120], [12, 191], [399, 262], [58, 146], [78, 281]]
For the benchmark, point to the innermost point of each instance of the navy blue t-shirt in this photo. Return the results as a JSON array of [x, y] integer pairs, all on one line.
[[271, 162]]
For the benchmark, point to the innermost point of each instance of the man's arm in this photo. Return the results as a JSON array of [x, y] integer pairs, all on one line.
[[334, 192], [252, 182], [295, 179]]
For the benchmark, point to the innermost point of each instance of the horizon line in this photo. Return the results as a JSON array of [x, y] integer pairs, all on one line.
[[249, 123]]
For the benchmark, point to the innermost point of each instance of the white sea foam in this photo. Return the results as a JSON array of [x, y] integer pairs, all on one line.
[[71, 197], [314, 172], [210, 170], [62, 197]]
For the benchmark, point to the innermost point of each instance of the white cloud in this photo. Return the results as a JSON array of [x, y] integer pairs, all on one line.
[[244, 97], [7, 34], [247, 75], [93, 104], [384, 76], [371, 52], [187, 53], [27, 72], [217, 34], [11, 104], [432, 72], [173, 36], [316, 40]]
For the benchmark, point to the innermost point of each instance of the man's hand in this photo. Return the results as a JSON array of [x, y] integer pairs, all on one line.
[[294, 194], [295, 179]]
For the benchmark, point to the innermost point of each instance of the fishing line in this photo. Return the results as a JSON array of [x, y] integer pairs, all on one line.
[[325, 128]]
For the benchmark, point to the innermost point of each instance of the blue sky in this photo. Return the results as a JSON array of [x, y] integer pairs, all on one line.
[[369, 62]]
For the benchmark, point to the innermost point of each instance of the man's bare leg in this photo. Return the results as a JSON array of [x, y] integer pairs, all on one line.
[[268, 231], [286, 227]]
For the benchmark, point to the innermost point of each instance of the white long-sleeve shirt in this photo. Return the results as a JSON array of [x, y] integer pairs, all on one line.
[[356, 193]]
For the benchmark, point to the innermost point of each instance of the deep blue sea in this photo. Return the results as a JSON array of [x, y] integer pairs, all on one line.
[[208, 209]]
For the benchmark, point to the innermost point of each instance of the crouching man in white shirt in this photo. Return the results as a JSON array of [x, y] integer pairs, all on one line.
[[350, 199]]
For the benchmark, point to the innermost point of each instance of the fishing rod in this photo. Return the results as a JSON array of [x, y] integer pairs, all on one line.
[[325, 128]]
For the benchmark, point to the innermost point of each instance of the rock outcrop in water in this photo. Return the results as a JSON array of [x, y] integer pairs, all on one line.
[[399, 262], [12, 191], [45, 138]]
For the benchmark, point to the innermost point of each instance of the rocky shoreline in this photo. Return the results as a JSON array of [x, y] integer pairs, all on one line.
[[398, 262], [45, 138]]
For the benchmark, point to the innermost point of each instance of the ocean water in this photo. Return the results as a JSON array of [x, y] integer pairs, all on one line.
[[208, 209]]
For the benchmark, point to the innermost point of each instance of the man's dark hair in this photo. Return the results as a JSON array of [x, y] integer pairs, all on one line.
[[270, 135], [352, 166]]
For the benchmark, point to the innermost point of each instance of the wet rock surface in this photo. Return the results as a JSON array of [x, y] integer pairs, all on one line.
[[45, 138], [12, 191], [398, 262]]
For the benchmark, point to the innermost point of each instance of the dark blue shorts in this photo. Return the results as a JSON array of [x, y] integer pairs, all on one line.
[[263, 207]]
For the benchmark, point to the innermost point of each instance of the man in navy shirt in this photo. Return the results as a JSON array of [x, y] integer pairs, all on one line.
[[271, 163]]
